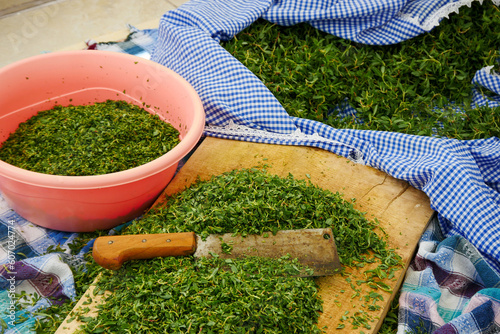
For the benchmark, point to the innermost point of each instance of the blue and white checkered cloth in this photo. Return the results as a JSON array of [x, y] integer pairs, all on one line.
[[490, 80], [462, 178]]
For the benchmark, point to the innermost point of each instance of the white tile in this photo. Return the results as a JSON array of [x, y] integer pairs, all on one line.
[[12, 6], [67, 24]]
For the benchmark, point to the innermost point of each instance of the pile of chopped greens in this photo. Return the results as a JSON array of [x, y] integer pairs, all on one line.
[[251, 201], [209, 295], [250, 295], [89, 139]]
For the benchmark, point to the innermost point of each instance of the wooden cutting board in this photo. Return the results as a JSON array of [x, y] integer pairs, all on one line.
[[403, 211]]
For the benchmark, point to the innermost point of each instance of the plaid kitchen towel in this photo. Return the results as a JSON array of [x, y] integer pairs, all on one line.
[[449, 289], [490, 80], [139, 43], [26, 267]]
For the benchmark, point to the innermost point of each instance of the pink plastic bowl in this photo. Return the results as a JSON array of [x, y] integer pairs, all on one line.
[[88, 203]]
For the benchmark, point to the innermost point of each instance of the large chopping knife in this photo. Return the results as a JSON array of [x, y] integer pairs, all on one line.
[[314, 248]]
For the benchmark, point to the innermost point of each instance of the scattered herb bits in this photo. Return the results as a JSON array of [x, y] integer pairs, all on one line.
[[89, 139]]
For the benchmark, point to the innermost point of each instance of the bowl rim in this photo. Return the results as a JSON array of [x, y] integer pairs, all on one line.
[[134, 174]]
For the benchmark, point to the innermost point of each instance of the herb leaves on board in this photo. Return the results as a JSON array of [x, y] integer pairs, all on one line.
[[180, 295]]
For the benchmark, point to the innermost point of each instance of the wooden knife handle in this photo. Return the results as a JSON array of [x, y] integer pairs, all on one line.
[[111, 251]]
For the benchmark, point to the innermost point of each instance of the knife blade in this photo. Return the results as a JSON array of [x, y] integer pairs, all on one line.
[[314, 248]]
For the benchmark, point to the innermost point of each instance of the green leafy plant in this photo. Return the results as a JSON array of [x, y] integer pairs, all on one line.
[[413, 87]]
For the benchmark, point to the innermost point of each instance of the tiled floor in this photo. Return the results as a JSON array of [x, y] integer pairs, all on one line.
[[66, 24], [12, 6]]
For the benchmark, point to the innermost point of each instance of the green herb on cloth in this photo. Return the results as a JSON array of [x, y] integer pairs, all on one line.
[[89, 139], [419, 86]]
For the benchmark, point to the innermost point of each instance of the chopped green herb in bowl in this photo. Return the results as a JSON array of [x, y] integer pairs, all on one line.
[[92, 139]]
